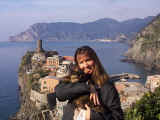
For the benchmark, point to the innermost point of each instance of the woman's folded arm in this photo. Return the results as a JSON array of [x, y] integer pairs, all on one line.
[[68, 91]]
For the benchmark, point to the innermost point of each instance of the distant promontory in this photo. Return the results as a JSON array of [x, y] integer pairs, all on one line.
[[67, 31], [146, 47]]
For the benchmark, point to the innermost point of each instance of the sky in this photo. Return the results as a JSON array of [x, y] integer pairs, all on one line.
[[18, 15]]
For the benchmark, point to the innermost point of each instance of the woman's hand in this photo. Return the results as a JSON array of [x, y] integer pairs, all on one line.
[[94, 98], [94, 95], [88, 112]]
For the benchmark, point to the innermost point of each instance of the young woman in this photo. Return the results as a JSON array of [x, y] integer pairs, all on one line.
[[102, 92]]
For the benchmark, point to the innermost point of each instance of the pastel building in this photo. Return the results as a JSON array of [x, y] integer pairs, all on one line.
[[53, 62], [64, 68], [70, 58], [62, 71], [48, 84], [153, 81]]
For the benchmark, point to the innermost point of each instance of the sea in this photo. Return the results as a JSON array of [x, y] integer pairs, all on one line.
[[109, 53]]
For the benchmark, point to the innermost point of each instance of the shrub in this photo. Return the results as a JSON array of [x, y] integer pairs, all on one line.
[[147, 108]]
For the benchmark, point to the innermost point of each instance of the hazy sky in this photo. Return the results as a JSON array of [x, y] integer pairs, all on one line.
[[17, 15]]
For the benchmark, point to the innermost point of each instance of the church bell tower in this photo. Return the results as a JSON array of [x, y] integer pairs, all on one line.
[[39, 46]]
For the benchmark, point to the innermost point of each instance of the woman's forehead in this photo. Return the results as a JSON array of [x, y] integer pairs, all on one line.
[[82, 56]]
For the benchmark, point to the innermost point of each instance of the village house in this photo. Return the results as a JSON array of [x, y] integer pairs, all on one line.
[[48, 84], [65, 66], [69, 58], [63, 71], [67, 62], [153, 81], [53, 62]]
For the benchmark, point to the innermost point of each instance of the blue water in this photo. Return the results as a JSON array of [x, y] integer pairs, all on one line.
[[11, 54]]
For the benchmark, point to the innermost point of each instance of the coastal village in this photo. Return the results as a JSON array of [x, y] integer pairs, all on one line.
[[46, 68], [42, 91]]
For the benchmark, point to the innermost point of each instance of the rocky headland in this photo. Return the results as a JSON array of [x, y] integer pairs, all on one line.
[[146, 47]]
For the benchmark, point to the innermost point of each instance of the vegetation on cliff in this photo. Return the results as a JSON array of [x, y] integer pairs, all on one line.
[[25, 62], [151, 36], [146, 48]]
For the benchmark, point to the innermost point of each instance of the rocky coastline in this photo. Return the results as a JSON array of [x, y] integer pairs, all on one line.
[[146, 46], [146, 66]]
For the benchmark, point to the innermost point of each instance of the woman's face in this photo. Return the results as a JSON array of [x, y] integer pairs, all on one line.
[[85, 63]]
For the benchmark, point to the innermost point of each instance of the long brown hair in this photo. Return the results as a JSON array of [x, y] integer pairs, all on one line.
[[99, 75]]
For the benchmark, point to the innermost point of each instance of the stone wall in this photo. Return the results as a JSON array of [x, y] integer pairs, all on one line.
[[39, 98]]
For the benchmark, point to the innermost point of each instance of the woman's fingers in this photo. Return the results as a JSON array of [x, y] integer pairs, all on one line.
[[94, 95], [94, 98]]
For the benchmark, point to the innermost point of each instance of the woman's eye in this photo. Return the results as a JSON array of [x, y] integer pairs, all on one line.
[[80, 62]]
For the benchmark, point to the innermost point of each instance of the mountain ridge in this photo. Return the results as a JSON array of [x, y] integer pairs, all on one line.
[[105, 28]]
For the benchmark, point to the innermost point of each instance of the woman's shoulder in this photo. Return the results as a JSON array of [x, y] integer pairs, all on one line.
[[108, 87], [108, 84]]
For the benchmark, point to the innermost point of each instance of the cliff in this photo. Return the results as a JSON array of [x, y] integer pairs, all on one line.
[[146, 47], [27, 109], [28, 79], [68, 31]]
